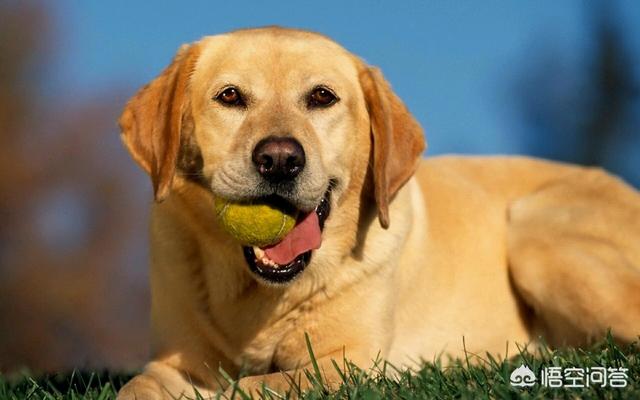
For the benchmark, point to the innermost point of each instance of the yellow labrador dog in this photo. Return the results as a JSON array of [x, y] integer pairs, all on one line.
[[393, 255]]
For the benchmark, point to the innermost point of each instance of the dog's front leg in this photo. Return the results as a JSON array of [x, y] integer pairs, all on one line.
[[161, 381], [294, 381], [297, 381]]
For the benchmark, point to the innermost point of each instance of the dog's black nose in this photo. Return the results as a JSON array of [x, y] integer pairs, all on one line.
[[278, 159]]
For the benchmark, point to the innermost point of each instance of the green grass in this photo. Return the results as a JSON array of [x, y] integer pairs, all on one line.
[[461, 379]]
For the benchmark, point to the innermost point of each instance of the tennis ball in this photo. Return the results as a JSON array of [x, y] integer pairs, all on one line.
[[255, 223]]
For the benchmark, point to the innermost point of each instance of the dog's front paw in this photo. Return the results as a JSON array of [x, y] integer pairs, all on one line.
[[255, 386], [141, 387], [247, 386]]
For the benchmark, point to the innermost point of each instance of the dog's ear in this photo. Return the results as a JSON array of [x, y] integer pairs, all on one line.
[[152, 120], [397, 139]]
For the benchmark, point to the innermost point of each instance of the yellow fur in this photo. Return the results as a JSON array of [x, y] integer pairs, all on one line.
[[498, 250]]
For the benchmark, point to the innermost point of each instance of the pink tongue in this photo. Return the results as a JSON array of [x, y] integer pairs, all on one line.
[[303, 237]]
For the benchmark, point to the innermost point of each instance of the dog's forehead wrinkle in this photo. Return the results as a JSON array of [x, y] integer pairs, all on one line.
[[246, 57]]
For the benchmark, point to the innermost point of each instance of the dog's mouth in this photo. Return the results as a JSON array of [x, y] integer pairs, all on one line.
[[282, 262]]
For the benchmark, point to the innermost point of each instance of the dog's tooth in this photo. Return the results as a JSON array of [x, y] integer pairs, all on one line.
[[266, 260], [260, 254], [271, 263]]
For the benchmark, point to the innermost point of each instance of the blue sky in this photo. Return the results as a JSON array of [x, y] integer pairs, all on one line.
[[454, 63]]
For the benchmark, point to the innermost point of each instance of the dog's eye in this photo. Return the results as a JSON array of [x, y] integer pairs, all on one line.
[[230, 96], [321, 97]]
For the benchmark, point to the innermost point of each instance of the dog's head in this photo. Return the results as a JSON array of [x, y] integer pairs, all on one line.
[[274, 113]]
